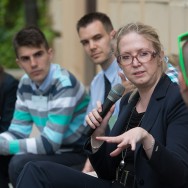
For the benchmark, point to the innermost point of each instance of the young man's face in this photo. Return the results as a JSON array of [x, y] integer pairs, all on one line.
[[96, 42], [35, 61]]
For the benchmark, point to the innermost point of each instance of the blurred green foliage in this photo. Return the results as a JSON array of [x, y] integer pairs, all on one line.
[[12, 19]]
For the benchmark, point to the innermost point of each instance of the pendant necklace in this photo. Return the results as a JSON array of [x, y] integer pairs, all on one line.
[[124, 152], [122, 172]]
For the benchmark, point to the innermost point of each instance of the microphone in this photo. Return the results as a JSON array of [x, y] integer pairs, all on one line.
[[115, 94]]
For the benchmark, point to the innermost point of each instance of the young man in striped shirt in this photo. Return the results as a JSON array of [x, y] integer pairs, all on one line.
[[49, 97]]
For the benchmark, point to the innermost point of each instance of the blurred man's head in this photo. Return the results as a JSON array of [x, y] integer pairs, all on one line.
[[182, 81], [185, 55]]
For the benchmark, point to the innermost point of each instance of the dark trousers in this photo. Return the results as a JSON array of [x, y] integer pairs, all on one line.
[[12, 166], [53, 175], [4, 178]]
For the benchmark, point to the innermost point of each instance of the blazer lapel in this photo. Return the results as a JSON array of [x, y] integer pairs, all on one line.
[[154, 105], [155, 102], [125, 112]]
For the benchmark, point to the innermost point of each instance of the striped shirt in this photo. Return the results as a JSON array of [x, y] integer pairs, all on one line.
[[57, 108]]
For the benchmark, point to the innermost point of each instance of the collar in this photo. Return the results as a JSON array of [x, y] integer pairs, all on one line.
[[112, 71], [47, 80]]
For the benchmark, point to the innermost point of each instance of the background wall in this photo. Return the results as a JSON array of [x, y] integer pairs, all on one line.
[[169, 17]]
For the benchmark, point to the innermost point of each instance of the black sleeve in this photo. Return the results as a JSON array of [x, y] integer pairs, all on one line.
[[8, 99]]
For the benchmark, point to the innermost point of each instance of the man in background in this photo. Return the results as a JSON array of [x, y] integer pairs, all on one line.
[[96, 33]]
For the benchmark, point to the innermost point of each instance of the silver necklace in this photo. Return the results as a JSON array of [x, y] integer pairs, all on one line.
[[124, 152]]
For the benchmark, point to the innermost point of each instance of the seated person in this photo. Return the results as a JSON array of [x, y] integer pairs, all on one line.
[[49, 97]]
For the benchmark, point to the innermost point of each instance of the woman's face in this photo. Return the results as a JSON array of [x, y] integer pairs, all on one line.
[[140, 74]]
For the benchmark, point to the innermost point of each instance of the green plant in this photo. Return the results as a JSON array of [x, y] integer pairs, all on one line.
[[12, 19]]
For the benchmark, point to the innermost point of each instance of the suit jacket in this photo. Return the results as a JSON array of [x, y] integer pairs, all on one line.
[[8, 88], [166, 118]]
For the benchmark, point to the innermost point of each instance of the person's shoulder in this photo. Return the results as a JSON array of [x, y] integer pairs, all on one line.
[[97, 78], [9, 81], [174, 90], [65, 77], [25, 80], [171, 85], [169, 91], [173, 99], [9, 78]]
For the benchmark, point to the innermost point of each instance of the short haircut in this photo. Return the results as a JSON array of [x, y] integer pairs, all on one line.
[[95, 16], [30, 36]]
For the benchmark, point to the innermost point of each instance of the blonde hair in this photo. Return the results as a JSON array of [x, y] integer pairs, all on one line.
[[147, 31]]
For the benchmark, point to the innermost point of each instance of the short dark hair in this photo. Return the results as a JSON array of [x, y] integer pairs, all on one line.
[[95, 16], [30, 36]]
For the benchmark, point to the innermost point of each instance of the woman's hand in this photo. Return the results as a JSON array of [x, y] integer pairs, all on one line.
[[95, 121], [130, 139]]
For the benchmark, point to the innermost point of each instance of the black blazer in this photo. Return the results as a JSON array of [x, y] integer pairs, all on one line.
[[8, 88], [166, 118]]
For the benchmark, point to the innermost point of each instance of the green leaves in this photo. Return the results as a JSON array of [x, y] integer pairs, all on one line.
[[12, 19]]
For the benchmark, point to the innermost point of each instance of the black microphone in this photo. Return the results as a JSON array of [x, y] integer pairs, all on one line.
[[115, 93]]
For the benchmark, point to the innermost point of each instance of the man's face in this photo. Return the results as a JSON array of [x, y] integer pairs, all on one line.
[[96, 42], [35, 61]]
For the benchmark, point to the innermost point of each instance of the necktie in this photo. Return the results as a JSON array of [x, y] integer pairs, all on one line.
[[107, 89], [107, 86]]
